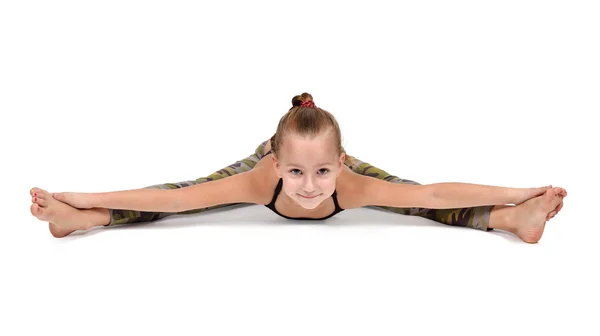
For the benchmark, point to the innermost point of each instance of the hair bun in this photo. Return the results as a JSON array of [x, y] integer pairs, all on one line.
[[301, 99]]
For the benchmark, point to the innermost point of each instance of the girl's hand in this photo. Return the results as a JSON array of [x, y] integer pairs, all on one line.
[[529, 193], [76, 200]]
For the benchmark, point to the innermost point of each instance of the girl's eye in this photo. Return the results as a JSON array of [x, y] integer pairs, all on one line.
[[297, 170]]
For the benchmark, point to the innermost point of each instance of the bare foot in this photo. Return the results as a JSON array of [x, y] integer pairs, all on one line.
[[529, 218], [62, 218]]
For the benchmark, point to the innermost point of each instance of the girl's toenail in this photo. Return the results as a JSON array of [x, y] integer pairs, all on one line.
[[35, 199]]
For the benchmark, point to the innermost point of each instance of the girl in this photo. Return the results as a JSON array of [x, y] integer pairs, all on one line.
[[301, 173]]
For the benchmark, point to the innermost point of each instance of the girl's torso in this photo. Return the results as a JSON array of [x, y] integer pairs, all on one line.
[[346, 184]]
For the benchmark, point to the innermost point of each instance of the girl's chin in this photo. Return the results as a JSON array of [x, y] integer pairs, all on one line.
[[308, 203]]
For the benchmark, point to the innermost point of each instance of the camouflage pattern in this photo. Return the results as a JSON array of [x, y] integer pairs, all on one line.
[[123, 216], [475, 217]]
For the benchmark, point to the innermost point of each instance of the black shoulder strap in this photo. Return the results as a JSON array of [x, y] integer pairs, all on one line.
[[276, 193], [335, 201]]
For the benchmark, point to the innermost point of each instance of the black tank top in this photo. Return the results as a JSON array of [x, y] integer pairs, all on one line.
[[276, 194]]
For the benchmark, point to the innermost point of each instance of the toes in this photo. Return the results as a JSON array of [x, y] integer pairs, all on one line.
[[36, 210], [58, 196], [41, 201], [550, 200], [556, 210], [39, 193], [39, 197], [560, 191], [44, 194], [558, 207], [36, 190], [556, 200]]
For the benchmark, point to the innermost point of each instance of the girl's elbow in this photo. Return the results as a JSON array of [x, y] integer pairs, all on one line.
[[176, 201], [429, 197], [437, 197], [177, 206]]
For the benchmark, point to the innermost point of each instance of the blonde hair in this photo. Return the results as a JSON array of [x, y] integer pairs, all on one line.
[[306, 119]]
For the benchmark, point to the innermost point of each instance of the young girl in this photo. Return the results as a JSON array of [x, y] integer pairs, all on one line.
[[301, 173]]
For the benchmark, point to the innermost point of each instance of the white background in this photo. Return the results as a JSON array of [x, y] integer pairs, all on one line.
[[112, 95]]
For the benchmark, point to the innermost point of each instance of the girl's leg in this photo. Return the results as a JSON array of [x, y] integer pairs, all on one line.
[[124, 216], [474, 217]]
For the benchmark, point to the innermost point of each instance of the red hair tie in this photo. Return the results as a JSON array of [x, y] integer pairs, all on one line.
[[308, 103]]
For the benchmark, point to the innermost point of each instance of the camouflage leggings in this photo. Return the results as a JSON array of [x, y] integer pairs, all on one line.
[[474, 217]]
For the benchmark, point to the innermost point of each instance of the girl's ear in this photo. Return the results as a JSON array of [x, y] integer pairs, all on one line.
[[341, 163], [275, 165]]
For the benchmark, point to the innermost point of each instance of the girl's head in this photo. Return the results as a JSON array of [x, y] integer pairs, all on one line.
[[307, 152]]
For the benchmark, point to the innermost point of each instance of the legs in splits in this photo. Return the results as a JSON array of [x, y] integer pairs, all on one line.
[[63, 218], [526, 220]]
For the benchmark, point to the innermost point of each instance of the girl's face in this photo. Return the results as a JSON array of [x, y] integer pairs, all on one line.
[[309, 168]]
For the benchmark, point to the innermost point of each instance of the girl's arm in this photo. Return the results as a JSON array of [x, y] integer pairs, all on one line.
[[457, 195], [445, 195], [239, 188], [154, 200]]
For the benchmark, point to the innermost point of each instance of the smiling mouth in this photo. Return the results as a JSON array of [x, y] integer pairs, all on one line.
[[309, 197]]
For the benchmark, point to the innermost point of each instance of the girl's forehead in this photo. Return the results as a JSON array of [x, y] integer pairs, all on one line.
[[308, 148], [321, 142], [308, 151]]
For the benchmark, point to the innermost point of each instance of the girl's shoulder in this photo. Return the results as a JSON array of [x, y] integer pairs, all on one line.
[[352, 189], [264, 181]]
